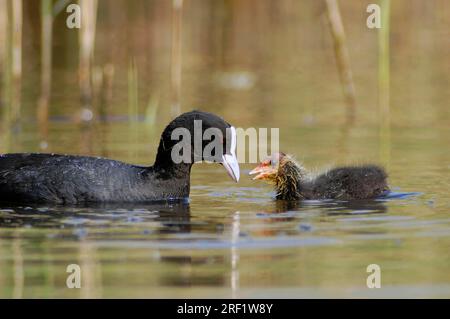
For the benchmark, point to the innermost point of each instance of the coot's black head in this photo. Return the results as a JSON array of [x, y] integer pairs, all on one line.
[[198, 136]]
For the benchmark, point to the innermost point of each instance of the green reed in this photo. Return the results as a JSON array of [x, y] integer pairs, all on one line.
[[151, 109], [133, 92]]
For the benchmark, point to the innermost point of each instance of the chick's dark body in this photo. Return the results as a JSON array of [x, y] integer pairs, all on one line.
[[351, 182]]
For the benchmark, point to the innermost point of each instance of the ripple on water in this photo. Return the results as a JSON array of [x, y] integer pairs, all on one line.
[[244, 242]]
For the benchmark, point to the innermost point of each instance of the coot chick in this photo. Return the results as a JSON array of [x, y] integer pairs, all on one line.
[[292, 181], [68, 179]]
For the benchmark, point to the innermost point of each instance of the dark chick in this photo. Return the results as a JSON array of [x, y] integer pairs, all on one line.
[[292, 181], [68, 179]]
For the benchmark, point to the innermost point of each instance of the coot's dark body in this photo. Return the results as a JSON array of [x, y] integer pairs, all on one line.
[[68, 179], [74, 179]]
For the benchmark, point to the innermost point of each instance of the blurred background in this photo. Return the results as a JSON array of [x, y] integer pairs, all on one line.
[[257, 63], [339, 91]]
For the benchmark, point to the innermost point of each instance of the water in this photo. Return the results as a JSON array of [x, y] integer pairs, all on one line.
[[235, 240]]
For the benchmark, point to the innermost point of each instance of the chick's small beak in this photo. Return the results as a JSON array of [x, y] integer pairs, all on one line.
[[264, 171]]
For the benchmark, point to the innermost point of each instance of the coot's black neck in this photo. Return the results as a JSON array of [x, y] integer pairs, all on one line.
[[166, 168]]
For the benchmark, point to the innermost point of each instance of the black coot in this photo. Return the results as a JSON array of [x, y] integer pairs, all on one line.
[[292, 181], [67, 179]]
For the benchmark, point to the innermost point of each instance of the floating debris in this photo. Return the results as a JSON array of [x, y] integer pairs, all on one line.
[[305, 227]]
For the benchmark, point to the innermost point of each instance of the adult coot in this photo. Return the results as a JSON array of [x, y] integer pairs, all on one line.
[[292, 181], [68, 179]]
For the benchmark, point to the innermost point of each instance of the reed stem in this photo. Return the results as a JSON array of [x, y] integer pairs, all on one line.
[[177, 8], [46, 60], [383, 59], [133, 104], [16, 60], [384, 83], [87, 41], [342, 56], [107, 89], [3, 52], [5, 80]]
